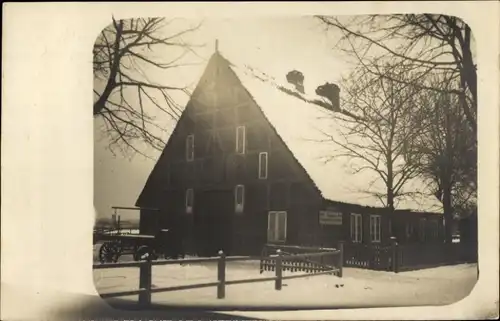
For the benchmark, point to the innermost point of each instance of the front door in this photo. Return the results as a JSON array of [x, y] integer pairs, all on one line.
[[213, 222]]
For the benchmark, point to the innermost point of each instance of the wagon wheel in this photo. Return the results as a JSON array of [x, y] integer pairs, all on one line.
[[144, 252], [109, 252]]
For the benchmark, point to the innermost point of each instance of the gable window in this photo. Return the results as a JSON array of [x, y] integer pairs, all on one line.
[[276, 226], [239, 198], [263, 165], [240, 139], [375, 228], [356, 228], [421, 230], [189, 200], [190, 148]]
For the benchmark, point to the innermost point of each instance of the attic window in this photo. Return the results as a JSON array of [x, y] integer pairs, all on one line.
[[263, 165], [239, 198], [240, 140], [189, 200], [190, 148]]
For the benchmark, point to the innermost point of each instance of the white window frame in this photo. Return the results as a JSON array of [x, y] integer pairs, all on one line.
[[260, 164], [273, 236], [375, 228], [189, 199], [190, 144], [243, 139], [238, 207], [356, 228]]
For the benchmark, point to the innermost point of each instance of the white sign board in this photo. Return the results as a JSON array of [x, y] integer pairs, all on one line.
[[330, 218]]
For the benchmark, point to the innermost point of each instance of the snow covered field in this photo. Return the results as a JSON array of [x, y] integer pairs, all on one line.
[[436, 286]]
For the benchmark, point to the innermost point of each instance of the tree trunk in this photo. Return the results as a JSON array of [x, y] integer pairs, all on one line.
[[390, 197]]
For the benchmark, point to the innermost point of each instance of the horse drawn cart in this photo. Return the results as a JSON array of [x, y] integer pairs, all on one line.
[[140, 246]]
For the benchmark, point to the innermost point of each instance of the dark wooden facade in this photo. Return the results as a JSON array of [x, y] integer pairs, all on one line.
[[219, 105], [402, 226]]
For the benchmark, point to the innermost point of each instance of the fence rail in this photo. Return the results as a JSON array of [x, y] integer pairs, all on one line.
[[145, 272]]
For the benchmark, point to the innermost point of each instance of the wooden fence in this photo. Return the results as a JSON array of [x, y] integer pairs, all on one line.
[[416, 256], [301, 258], [396, 258], [145, 274], [369, 256]]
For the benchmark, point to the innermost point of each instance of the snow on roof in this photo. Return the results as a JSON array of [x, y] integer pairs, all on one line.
[[304, 127]]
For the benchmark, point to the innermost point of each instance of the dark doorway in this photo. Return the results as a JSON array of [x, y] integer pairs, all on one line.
[[213, 222]]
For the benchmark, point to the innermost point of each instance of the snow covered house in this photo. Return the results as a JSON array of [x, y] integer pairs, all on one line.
[[245, 166]]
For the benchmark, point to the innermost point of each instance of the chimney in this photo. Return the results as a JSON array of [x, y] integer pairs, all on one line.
[[330, 92], [296, 78]]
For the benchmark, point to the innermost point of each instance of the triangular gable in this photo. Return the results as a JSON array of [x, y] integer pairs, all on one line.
[[149, 193], [303, 125]]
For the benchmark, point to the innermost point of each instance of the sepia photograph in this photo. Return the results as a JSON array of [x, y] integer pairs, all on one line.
[[250, 161], [304, 161]]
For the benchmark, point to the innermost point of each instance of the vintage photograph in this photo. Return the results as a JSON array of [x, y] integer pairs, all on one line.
[[285, 161]]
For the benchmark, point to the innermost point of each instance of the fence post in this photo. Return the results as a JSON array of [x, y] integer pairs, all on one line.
[[263, 254], [221, 276], [341, 259], [145, 282], [278, 282], [395, 250]]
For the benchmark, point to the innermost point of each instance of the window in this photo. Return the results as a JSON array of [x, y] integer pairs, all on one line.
[[262, 165], [239, 198], [421, 230], [375, 228], [276, 226], [356, 228], [190, 148], [240, 140], [189, 200]]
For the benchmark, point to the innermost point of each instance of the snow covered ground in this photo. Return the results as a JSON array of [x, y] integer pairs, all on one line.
[[358, 287]]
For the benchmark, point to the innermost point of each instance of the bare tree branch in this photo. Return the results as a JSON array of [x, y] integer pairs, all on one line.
[[430, 42], [126, 98]]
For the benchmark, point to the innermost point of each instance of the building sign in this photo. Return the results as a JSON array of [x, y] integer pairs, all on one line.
[[330, 218]]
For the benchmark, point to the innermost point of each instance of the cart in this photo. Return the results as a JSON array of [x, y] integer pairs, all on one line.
[[141, 246]]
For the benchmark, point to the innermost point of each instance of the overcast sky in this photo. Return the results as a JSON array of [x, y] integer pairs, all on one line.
[[273, 45]]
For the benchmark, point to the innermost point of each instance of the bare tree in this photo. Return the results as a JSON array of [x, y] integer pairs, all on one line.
[[376, 131], [445, 152], [422, 44], [124, 95]]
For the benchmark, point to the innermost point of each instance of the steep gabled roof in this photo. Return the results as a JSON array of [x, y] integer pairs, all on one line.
[[304, 126]]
